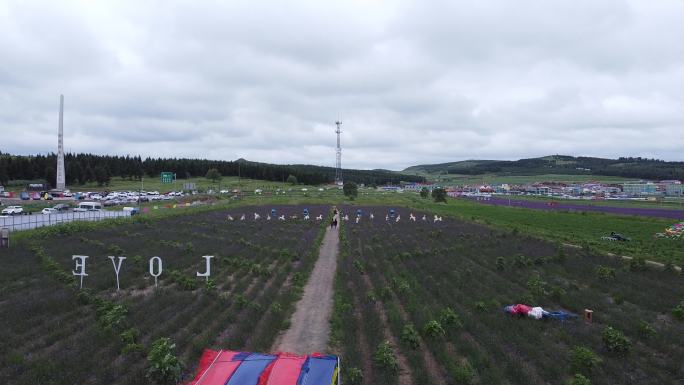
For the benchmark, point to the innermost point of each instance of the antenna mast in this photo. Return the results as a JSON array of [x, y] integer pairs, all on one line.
[[338, 154], [61, 179]]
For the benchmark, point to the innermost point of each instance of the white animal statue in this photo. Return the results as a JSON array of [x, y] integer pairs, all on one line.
[[357, 220], [346, 217], [242, 218], [256, 216], [293, 217], [398, 218], [371, 216], [424, 218], [306, 217], [268, 217], [437, 219], [230, 217], [412, 217], [320, 217], [282, 217]]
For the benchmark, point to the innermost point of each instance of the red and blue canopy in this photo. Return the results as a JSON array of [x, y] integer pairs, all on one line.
[[226, 367]]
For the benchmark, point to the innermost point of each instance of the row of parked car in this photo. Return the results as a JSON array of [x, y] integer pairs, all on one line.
[[59, 208]]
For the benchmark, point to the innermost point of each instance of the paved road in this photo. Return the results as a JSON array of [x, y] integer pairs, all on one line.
[[27, 222], [310, 324]]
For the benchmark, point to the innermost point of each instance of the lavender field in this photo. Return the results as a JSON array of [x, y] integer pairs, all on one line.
[[540, 205]]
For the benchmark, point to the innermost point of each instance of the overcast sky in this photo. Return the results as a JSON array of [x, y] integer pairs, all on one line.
[[414, 81]]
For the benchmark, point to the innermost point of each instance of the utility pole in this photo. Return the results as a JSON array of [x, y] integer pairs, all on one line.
[[338, 154], [61, 177]]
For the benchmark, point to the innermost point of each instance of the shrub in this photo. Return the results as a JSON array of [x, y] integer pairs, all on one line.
[[359, 266], [583, 360], [110, 315], [384, 357], [560, 253], [354, 376], [557, 293], [439, 195], [210, 286], [385, 292], [481, 306], [646, 330], [616, 341], [163, 366], [536, 285], [401, 285], [464, 373], [449, 319], [410, 337], [434, 329], [240, 301], [678, 311], [618, 298], [522, 261], [605, 273], [579, 380], [500, 263]]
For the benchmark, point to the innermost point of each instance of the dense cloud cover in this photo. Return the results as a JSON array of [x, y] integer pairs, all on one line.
[[415, 82]]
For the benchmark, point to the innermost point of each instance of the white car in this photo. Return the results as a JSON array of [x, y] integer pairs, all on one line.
[[48, 211], [11, 210]]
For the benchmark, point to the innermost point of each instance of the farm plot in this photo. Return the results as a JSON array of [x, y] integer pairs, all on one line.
[[422, 302], [52, 332]]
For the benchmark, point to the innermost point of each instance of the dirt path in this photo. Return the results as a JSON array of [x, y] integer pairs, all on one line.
[[310, 324]]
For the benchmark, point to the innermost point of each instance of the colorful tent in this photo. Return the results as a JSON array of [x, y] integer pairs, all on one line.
[[225, 367]]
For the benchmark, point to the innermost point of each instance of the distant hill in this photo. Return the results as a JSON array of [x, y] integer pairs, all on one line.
[[630, 167], [443, 168]]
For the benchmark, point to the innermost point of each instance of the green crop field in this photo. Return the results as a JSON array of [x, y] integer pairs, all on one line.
[[393, 281], [53, 333], [421, 302]]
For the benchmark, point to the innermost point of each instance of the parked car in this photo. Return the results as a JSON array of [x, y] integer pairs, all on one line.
[[88, 206], [61, 207], [24, 196], [48, 211], [12, 210], [35, 196]]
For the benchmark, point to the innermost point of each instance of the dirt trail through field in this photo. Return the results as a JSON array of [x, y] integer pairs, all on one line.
[[309, 326]]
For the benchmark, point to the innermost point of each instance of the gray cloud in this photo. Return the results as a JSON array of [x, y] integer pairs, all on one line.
[[415, 81]]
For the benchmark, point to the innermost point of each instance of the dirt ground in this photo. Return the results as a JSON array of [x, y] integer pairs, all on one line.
[[309, 326]]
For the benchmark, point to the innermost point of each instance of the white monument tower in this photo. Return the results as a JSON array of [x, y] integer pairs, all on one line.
[[61, 178]]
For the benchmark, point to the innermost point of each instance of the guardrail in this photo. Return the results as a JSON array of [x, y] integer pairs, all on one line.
[[32, 221]]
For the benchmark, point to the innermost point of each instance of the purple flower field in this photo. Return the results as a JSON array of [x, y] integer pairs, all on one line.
[[639, 211]]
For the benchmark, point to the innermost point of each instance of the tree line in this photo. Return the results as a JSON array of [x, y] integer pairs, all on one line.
[[85, 168]]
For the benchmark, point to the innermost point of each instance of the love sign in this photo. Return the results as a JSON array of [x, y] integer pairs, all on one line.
[[156, 267]]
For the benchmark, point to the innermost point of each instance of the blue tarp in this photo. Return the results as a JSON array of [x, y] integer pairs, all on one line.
[[251, 368], [318, 370]]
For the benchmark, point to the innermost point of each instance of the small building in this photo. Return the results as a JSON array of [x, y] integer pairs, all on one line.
[[674, 190], [639, 189]]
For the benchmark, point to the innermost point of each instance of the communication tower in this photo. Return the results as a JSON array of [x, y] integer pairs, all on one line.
[[338, 154]]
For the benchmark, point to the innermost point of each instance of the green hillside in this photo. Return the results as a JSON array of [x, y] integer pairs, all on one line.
[[628, 168]]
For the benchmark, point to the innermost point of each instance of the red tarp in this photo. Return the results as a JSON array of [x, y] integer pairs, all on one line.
[[241, 368]]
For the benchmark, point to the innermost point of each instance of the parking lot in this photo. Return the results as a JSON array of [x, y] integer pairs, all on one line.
[[27, 222]]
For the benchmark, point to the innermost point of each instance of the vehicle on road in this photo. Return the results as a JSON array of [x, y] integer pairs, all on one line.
[[12, 210], [88, 206], [61, 207], [24, 196], [48, 211]]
